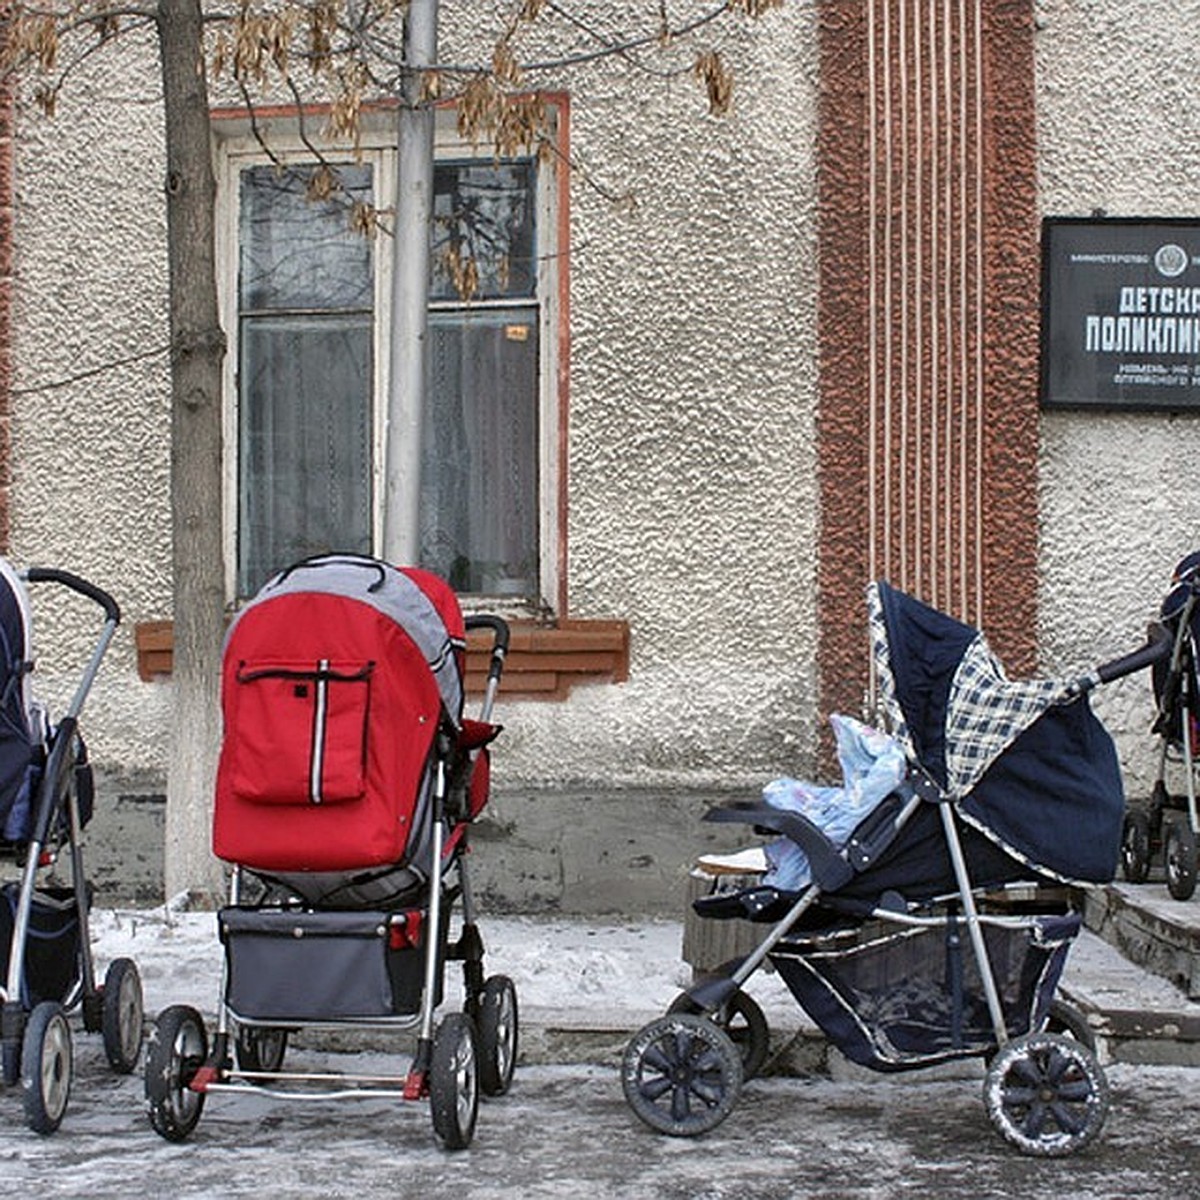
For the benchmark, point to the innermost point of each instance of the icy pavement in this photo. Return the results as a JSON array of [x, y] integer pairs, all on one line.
[[565, 1130]]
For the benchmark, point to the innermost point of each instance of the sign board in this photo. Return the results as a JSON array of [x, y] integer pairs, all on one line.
[[1121, 313]]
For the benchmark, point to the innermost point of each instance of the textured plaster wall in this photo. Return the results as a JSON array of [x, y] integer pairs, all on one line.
[[692, 456], [691, 503], [1119, 131], [90, 457]]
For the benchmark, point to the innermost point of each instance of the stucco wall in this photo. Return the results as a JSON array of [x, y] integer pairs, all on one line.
[[90, 457], [691, 463], [1119, 132]]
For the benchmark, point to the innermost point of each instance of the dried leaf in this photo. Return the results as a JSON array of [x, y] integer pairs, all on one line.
[[322, 183], [46, 98], [755, 8], [710, 69], [364, 218], [431, 86]]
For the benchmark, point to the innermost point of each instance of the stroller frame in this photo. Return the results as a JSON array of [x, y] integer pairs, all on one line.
[[35, 1040], [1170, 823], [682, 1073], [469, 1052]]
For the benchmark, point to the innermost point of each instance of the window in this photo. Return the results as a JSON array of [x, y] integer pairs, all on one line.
[[305, 334], [308, 311], [479, 503]]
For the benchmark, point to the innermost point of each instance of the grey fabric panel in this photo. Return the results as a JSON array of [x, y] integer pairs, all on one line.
[[306, 966]]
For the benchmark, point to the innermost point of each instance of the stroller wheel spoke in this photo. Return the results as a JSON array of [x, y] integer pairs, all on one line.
[[1070, 1120], [1058, 1067], [1035, 1119], [707, 1090], [655, 1089], [657, 1060], [707, 1061], [1019, 1097], [1028, 1072]]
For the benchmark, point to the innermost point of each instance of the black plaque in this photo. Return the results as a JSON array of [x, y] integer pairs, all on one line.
[[1121, 313]]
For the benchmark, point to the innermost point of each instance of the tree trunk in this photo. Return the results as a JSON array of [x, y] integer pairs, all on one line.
[[197, 351]]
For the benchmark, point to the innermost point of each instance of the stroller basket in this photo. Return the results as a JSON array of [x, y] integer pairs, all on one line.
[[293, 965], [52, 947], [893, 998]]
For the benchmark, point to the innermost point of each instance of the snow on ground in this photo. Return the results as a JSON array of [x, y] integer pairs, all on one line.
[[555, 964], [570, 967]]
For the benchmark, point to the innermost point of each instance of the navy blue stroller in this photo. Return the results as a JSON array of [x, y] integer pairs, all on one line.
[[1170, 823], [939, 928], [46, 799]]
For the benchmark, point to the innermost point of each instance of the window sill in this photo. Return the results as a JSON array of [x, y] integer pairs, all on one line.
[[543, 662]]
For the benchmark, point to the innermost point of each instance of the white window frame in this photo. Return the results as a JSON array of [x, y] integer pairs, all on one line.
[[234, 148]]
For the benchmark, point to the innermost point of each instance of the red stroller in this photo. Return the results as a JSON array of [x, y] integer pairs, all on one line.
[[347, 783]]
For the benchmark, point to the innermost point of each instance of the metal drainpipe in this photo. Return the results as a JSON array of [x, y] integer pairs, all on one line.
[[410, 292]]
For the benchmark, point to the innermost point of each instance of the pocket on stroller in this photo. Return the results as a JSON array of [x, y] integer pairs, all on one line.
[[302, 731], [52, 946]]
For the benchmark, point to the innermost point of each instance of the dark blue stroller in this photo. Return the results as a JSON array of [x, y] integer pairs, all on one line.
[[1170, 823], [938, 929], [46, 799]]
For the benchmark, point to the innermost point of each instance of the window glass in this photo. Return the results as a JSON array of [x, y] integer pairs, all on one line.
[[302, 253], [305, 341], [483, 230], [479, 487], [479, 454]]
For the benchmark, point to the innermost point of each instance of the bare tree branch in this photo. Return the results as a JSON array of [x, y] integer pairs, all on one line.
[[103, 369]]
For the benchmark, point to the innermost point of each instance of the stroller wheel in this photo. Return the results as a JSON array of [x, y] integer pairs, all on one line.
[[261, 1047], [1179, 851], [1066, 1019], [681, 1074], [454, 1082], [177, 1050], [46, 1067], [498, 1035], [743, 1022], [123, 1015], [1046, 1094], [1135, 847]]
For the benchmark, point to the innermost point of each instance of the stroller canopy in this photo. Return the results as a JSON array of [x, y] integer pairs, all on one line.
[[336, 680], [1026, 762]]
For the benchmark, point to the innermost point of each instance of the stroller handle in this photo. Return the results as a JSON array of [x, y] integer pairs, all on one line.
[[1157, 648], [112, 610], [498, 626], [499, 629]]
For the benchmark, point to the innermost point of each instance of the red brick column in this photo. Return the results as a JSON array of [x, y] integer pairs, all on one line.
[[928, 317]]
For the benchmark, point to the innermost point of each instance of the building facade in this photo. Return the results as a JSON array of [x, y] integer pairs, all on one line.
[[751, 363]]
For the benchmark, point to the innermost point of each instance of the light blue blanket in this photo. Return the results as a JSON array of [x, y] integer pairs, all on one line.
[[873, 765]]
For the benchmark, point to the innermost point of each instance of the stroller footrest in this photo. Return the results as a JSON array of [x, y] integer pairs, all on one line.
[[753, 904]]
